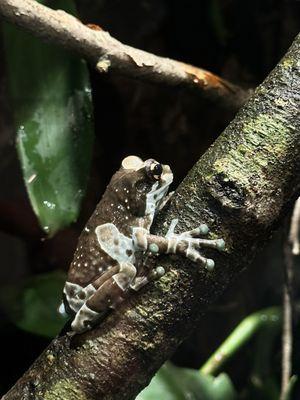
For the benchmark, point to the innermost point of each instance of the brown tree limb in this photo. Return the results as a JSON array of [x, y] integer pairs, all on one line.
[[106, 53], [241, 187]]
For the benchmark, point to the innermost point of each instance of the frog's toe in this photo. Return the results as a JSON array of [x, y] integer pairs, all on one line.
[[201, 230], [160, 271], [194, 255], [220, 244], [210, 264]]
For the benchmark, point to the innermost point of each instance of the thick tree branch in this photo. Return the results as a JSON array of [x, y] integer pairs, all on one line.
[[241, 188], [108, 54]]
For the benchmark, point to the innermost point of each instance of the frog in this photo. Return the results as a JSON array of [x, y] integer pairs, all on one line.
[[109, 262]]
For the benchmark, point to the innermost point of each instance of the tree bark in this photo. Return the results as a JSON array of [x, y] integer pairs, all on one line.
[[107, 54], [241, 187]]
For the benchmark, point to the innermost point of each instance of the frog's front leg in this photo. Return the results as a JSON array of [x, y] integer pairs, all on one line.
[[111, 288], [187, 243], [165, 201]]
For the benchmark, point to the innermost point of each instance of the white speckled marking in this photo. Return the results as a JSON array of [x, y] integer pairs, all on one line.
[[156, 194], [139, 236], [71, 290], [73, 299], [172, 245], [125, 276], [85, 314], [114, 243]]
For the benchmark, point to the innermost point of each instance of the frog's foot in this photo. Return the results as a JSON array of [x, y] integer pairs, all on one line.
[[109, 290], [189, 244]]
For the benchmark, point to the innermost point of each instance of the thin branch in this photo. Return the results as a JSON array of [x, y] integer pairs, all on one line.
[[106, 53], [294, 234], [287, 334], [242, 187], [291, 248]]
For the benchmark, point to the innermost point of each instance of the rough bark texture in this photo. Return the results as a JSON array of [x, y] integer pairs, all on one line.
[[241, 188], [106, 53]]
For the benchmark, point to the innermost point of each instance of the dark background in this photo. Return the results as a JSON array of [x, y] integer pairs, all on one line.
[[239, 40]]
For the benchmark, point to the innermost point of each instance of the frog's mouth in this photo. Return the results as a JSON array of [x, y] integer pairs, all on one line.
[[165, 181], [158, 192]]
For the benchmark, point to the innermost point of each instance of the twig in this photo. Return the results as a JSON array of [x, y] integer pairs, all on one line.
[[294, 234], [108, 54], [291, 248]]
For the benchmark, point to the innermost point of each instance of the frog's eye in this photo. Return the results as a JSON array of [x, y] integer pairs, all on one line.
[[155, 171]]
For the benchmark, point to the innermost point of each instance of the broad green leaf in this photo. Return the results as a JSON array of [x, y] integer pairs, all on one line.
[[51, 102], [173, 383], [290, 388], [32, 305]]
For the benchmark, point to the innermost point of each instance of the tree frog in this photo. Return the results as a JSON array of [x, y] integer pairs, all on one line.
[[108, 263]]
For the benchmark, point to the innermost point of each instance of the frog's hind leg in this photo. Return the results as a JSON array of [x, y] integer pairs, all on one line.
[[110, 289], [74, 296], [71, 298]]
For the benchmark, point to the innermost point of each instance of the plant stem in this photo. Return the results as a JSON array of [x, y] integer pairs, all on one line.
[[240, 336]]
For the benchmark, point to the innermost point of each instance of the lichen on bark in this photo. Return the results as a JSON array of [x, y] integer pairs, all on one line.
[[241, 187], [64, 390]]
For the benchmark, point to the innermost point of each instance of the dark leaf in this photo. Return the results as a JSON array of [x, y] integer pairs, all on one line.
[[173, 383], [32, 305], [51, 101]]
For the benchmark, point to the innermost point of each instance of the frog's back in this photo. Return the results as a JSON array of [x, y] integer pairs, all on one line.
[[90, 260]]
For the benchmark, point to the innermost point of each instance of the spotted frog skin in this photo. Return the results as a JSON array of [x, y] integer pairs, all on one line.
[[109, 261]]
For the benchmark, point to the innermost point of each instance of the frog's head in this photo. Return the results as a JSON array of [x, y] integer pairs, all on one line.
[[142, 185]]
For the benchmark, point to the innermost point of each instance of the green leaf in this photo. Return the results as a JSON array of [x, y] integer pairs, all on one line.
[[32, 305], [173, 383], [291, 386], [51, 101]]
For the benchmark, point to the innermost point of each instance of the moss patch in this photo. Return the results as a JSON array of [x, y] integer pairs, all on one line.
[[65, 390], [258, 149]]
